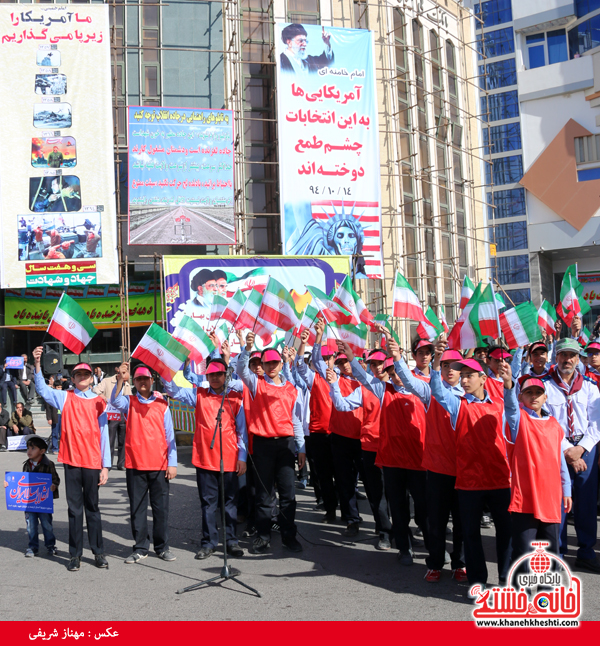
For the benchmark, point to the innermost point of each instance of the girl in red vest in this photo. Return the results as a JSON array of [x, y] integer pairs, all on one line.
[[540, 478], [85, 454], [150, 460], [207, 401], [592, 370]]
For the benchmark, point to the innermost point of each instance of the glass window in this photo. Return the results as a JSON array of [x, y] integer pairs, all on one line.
[[504, 105], [588, 174], [498, 74], [504, 170], [496, 43], [512, 235], [584, 37], [517, 295], [361, 14], [583, 7], [535, 47], [500, 139], [557, 46], [493, 12], [509, 203], [512, 269]]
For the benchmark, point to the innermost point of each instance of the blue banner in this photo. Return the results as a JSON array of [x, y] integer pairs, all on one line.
[[29, 492], [14, 362]]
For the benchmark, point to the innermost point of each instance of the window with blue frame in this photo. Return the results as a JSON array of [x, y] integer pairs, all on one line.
[[496, 43], [535, 49], [557, 46], [511, 270], [583, 7], [517, 295], [504, 170], [512, 235], [498, 74], [584, 37], [504, 105], [547, 49], [501, 139], [508, 203], [493, 12]]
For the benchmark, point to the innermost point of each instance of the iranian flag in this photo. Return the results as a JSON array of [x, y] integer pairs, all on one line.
[[71, 325], [278, 306], [443, 319], [218, 307], [159, 350], [330, 338], [332, 312], [431, 328], [234, 307], [194, 338], [406, 302], [383, 319], [547, 318], [306, 323], [484, 314], [584, 338], [569, 305], [500, 304], [222, 332], [248, 318], [347, 297], [463, 336], [466, 292], [519, 325], [354, 335]]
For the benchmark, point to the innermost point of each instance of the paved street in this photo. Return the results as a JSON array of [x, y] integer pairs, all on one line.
[[331, 579]]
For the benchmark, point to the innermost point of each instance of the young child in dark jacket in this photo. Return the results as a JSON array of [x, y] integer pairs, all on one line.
[[37, 462]]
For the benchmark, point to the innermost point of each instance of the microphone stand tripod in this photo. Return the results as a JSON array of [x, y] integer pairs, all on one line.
[[227, 573]]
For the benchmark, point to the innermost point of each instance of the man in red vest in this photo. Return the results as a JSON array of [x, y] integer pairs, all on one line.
[[85, 453], [150, 460], [207, 401], [274, 419]]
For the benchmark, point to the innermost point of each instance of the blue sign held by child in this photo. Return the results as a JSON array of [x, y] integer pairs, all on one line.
[[29, 492]]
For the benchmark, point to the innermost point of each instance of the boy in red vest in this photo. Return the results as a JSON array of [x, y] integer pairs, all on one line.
[[150, 461], [207, 401], [274, 419], [85, 453], [540, 483]]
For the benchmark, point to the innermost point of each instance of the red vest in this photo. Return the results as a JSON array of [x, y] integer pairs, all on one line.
[[535, 465], [145, 442], [401, 431], [425, 378], [247, 401], [347, 424], [495, 388], [439, 451], [207, 407], [592, 375], [320, 406], [369, 433], [80, 439], [481, 461], [270, 413]]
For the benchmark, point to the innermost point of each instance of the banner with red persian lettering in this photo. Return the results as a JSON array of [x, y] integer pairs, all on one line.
[[330, 182]]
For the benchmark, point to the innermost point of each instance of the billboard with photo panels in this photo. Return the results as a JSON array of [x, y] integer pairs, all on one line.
[[329, 144], [57, 171], [180, 176]]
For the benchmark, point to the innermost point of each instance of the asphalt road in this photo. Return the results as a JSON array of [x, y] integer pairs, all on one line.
[[332, 579], [161, 230]]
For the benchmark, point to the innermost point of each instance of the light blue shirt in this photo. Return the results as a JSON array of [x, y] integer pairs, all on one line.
[[57, 398], [376, 386], [121, 402], [418, 387]]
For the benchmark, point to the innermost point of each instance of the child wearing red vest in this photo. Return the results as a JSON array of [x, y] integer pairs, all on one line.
[[150, 460], [540, 477], [207, 401], [85, 454]]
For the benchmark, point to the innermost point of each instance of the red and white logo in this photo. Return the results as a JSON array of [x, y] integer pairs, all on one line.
[[280, 305], [540, 591], [71, 325], [159, 352]]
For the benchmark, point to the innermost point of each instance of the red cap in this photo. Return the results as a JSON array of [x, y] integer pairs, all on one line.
[[594, 345], [451, 355], [499, 353], [468, 363], [377, 355], [531, 382], [326, 351], [423, 343], [341, 357], [81, 366], [254, 355], [388, 363], [271, 355], [215, 366], [536, 345], [142, 371]]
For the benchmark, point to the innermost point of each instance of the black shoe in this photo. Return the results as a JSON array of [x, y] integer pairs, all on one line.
[[320, 505], [351, 530], [249, 532], [235, 551], [384, 543], [486, 521], [100, 560], [2, 448], [120, 468], [292, 544], [592, 565], [406, 557], [204, 553], [73, 564], [260, 545], [275, 527], [329, 518], [360, 496]]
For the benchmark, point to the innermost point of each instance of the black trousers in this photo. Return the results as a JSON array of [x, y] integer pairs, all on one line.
[[373, 481], [471, 507], [312, 468], [526, 528], [209, 492], [140, 485], [12, 393], [116, 431], [27, 392], [81, 486], [442, 498], [347, 457], [320, 449], [275, 463], [398, 484]]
